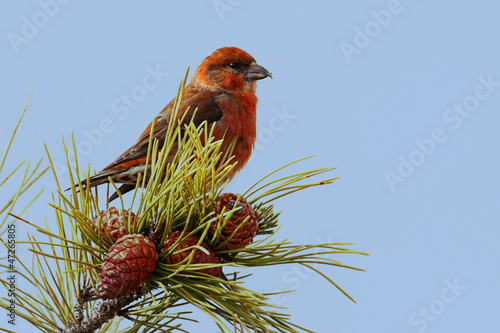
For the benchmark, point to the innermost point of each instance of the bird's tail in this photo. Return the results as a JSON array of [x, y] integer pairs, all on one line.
[[103, 178], [100, 178], [123, 189]]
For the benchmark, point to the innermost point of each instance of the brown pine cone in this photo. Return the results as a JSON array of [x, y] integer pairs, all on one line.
[[113, 222], [127, 265], [245, 233], [199, 256]]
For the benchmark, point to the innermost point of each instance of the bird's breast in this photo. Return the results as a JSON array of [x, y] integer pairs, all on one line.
[[238, 123]]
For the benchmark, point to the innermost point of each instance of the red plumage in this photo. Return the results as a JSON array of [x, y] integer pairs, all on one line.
[[223, 92]]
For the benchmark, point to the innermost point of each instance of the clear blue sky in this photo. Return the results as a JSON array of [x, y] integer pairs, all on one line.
[[403, 97]]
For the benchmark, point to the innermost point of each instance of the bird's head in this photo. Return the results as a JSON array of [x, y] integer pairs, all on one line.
[[229, 69]]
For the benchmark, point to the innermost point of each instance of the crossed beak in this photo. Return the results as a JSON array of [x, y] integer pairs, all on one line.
[[257, 72]]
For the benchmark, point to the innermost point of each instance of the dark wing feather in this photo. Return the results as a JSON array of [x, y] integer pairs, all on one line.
[[207, 110], [140, 147]]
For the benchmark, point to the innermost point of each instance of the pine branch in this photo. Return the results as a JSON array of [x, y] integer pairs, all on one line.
[[102, 312], [185, 230]]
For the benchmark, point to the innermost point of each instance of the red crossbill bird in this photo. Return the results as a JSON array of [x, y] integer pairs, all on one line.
[[222, 91]]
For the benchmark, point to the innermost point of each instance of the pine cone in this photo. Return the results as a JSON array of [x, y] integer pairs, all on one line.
[[245, 233], [199, 256], [127, 265], [113, 222]]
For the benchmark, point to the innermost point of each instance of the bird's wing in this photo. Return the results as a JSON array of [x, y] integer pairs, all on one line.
[[140, 147], [207, 110]]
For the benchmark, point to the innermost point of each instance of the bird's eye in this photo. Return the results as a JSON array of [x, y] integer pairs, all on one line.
[[234, 65]]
